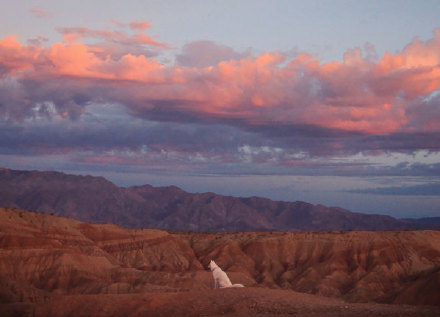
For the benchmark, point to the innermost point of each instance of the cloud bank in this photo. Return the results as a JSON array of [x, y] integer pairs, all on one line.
[[214, 106], [432, 189]]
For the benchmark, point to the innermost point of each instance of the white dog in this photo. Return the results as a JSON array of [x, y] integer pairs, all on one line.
[[221, 280]]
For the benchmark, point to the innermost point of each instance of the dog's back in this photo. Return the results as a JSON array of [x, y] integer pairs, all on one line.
[[221, 278]]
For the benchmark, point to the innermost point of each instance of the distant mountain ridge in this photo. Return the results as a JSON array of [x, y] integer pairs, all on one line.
[[97, 200]]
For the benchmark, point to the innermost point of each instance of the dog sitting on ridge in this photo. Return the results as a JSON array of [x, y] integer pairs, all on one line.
[[221, 279]]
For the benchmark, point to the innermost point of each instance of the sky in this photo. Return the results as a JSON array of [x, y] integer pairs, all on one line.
[[329, 102]]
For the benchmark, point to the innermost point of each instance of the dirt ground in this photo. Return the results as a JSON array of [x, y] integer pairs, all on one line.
[[221, 302]]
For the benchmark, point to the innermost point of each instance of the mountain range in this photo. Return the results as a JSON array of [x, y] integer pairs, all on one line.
[[97, 200]]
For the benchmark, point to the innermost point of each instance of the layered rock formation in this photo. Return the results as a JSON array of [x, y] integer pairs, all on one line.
[[44, 258], [94, 199]]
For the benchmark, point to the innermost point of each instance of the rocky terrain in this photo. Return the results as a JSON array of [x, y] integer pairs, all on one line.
[[96, 200], [54, 266]]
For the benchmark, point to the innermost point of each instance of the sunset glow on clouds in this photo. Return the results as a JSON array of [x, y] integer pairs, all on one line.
[[374, 96], [124, 99], [359, 96]]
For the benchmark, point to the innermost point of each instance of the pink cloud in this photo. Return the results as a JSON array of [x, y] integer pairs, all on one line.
[[118, 23], [139, 25], [14, 57], [40, 13], [73, 34], [357, 94]]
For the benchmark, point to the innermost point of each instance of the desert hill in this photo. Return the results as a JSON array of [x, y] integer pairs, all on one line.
[[96, 200], [54, 266]]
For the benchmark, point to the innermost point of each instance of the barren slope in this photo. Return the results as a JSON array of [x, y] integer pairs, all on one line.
[[45, 258]]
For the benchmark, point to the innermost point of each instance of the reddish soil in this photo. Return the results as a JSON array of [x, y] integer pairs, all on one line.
[[53, 266]]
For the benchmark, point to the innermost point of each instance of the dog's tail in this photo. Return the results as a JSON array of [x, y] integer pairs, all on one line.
[[237, 285]]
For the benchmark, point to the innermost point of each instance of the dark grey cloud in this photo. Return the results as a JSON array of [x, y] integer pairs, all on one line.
[[167, 125], [207, 53], [114, 137], [262, 115]]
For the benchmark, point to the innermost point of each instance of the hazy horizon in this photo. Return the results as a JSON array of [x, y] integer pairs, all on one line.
[[233, 186]]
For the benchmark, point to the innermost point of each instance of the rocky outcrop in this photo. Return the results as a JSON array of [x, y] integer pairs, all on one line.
[[43, 255], [96, 200], [392, 267]]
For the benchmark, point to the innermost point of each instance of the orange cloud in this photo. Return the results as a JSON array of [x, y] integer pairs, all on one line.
[[39, 13], [356, 94], [14, 57], [139, 25], [74, 60], [73, 34]]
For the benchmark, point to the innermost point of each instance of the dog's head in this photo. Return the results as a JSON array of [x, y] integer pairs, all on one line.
[[212, 265]]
